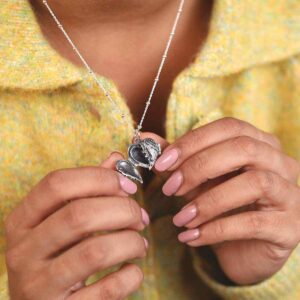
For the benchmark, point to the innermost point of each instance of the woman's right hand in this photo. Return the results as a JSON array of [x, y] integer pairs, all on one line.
[[52, 247]]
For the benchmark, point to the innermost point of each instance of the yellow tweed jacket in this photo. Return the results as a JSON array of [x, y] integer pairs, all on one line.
[[249, 68]]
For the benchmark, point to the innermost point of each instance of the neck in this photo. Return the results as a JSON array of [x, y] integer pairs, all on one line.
[[78, 12], [121, 37]]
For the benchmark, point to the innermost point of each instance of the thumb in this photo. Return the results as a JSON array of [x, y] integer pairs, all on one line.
[[110, 162], [163, 144]]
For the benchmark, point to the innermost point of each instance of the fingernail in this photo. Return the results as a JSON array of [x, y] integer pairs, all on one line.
[[166, 160], [173, 184], [127, 185], [77, 286], [146, 243], [185, 216], [145, 217], [189, 235]]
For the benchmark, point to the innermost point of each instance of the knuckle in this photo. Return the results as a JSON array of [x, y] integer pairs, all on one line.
[[232, 125], [219, 230], [255, 224], [111, 290], [213, 198], [264, 181], [275, 141], [277, 254], [100, 174], [200, 162], [139, 242], [292, 239], [105, 175], [137, 276], [55, 270], [246, 145], [75, 216], [54, 181], [194, 136], [289, 237], [117, 285], [92, 253], [132, 209]]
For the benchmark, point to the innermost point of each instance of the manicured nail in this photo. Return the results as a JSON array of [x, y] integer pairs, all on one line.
[[173, 184], [146, 243], [166, 160], [189, 235], [77, 286], [145, 217], [127, 185], [185, 216]]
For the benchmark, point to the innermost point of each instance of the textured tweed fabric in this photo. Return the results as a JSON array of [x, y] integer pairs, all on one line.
[[249, 69]]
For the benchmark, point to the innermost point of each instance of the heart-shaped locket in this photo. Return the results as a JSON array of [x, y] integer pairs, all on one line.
[[137, 156], [143, 153], [129, 170], [152, 150]]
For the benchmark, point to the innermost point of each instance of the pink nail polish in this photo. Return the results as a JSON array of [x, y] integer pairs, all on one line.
[[185, 216], [127, 185], [146, 243], [166, 160], [77, 286], [145, 217], [173, 184], [189, 235]]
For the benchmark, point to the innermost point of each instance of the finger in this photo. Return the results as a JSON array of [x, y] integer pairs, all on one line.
[[206, 136], [268, 226], [81, 218], [224, 158], [115, 286], [200, 189], [95, 254], [61, 186], [163, 144], [245, 189], [79, 285], [110, 162]]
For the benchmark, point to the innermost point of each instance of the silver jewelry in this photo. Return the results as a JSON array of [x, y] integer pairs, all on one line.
[[143, 153]]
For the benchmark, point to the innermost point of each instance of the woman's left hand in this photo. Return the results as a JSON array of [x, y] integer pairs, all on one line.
[[243, 196]]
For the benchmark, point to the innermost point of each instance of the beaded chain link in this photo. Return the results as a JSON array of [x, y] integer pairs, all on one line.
[[101, 86]]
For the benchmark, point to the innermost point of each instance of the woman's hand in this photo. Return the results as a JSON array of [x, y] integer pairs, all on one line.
[[243, 196], [52, 245]]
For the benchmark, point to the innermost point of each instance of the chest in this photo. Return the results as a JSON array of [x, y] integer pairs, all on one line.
[[72, 127]]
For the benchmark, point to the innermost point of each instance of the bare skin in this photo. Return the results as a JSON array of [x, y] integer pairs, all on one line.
[[39, 252], [253, 232], [124, 40], [115, 37], [246, 208]]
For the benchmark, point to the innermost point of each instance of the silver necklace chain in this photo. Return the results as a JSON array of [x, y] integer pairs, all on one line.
[[92, 73]]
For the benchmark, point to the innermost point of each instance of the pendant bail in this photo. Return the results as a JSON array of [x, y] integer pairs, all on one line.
[[137, 135]]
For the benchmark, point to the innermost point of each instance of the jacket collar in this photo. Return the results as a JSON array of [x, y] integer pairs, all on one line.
[[26, 58], [242, 34]]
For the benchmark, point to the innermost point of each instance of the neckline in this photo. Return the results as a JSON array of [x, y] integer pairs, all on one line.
[[234, 43]]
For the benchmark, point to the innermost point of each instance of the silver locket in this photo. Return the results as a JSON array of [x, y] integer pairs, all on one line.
[[143, 153]]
